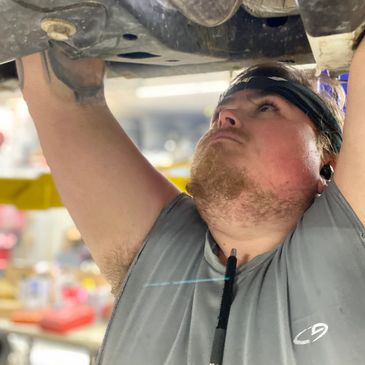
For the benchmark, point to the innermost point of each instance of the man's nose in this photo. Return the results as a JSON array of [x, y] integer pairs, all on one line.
[[227, 118]]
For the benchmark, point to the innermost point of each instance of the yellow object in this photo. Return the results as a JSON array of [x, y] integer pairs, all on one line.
[[178, 174], [179, 181], [38, 193], [89, 283], [41, 192], [7, 290]]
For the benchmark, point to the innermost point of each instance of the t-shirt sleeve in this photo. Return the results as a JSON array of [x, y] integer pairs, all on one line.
[[328, 244], [331, 220], [324, 259], [178, 216]]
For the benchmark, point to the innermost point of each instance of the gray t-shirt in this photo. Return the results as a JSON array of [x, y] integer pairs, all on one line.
[[301, 303]]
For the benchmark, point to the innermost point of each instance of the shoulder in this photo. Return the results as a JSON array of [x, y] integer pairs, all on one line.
[[329, 231], [332, 209], [178, 221]]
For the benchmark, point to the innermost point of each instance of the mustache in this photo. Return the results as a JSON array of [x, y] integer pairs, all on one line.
[[242, 135]]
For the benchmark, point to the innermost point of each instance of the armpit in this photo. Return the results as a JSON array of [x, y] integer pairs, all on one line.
[[114, 267]]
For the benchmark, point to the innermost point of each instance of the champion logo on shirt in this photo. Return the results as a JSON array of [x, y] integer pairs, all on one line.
[[311, 334]]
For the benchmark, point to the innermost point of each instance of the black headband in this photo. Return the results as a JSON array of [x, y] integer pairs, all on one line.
[[299, 95]]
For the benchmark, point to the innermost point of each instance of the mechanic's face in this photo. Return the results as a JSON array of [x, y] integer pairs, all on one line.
[[257, 142]]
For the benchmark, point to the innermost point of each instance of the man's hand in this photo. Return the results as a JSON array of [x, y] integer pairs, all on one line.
[[59, 77]]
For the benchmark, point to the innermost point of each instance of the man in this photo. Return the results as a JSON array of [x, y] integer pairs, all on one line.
[[259, 185]]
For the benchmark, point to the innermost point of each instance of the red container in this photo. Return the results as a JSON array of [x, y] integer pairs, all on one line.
[[66, 319]]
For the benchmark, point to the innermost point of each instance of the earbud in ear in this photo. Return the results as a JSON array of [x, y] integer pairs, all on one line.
[[327, 171]]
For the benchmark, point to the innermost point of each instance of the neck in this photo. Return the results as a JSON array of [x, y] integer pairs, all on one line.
[[248, 241], [252, 229]]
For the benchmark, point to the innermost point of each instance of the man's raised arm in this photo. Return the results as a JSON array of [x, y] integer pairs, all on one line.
[[113, 194], [350, 168]]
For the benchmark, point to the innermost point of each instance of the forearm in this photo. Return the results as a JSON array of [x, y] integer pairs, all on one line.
[[112, 192], [66, 101]]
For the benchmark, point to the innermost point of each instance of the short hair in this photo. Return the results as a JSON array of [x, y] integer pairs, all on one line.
[[329, 90]]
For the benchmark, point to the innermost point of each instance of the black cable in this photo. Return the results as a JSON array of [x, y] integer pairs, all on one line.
[[216, 356]]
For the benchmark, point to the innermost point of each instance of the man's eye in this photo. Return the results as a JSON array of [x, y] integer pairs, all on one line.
[[267, 107]]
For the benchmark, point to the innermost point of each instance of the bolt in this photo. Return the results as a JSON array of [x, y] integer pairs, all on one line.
[[58, 29]]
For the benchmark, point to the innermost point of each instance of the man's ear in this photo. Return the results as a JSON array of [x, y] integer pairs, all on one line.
[[323, 182], [327, 171]]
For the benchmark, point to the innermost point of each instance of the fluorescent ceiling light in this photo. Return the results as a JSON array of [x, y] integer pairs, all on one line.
[[159, 91]]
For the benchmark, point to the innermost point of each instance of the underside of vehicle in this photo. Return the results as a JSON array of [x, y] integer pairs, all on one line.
[[145, 38]]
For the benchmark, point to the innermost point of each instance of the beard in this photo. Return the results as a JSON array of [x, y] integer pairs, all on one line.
[[213, 180], [223, 192]]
